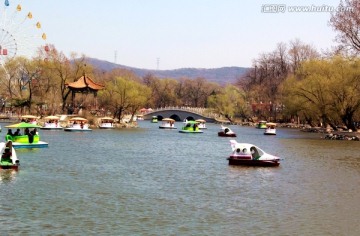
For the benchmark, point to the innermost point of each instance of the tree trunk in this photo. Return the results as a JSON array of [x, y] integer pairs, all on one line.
[[229, 118], [349, 121], [119, 113]]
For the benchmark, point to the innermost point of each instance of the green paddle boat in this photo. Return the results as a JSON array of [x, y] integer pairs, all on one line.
[[191, 126], [26, 136]]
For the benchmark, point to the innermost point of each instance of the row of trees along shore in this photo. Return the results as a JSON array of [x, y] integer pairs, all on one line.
[[293, 83]]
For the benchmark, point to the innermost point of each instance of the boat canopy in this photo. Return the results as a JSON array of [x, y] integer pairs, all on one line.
[[201, 120], [106, 118], [191, 122], [52, 118], [29, 117], [78, 119], [168, 119], [23, 125]]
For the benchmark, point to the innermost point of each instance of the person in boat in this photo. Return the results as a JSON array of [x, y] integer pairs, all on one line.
[[226, 130], [6, 156], [17, 132], [33, 132], [254, 153], [30, 135], [9, 135], [10, 132], [194, 127]]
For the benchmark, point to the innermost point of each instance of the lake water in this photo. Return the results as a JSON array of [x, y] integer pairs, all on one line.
[[149, 181]]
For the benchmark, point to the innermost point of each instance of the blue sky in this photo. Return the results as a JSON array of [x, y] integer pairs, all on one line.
[[177, 33]]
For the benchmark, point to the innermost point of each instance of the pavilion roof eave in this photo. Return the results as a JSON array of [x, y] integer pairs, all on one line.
[[83, 84]]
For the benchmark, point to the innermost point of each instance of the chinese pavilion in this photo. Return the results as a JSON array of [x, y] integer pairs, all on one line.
[[84, 85]]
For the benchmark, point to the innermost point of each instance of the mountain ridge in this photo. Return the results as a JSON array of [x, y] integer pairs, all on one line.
[[222, 75]]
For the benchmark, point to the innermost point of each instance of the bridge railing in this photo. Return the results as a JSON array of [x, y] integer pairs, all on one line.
[[198, 110]]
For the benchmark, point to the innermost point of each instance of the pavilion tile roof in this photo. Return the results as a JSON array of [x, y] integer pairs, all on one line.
[[85, 82]]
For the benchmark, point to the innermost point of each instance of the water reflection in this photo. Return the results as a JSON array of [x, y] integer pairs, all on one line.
[[7, 176], [27, 150]]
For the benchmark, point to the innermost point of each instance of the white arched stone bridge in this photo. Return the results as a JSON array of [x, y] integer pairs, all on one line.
[[178, 114]]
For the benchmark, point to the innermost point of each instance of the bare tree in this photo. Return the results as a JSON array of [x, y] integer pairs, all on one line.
[[299, 52], [346, 21]]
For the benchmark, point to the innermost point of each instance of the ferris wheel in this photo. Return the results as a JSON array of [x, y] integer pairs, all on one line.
[[20, 33]]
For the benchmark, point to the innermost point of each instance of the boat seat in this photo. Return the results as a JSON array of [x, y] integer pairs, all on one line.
[[6, 156]]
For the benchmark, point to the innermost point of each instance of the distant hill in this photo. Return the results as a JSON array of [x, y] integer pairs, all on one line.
[[221, 75]]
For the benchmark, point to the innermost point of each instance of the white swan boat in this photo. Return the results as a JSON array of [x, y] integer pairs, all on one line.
[[250, 155], [226, 132], [8, 158]]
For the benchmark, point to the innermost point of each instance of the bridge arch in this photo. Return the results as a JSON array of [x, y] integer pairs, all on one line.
[[190, 118], [173, 116], [177, 114]]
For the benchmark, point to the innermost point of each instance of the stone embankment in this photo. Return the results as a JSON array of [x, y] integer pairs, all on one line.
[[330, 134], [352, 136]]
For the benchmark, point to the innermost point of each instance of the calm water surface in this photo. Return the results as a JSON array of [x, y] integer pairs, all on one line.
[[149, 181]]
